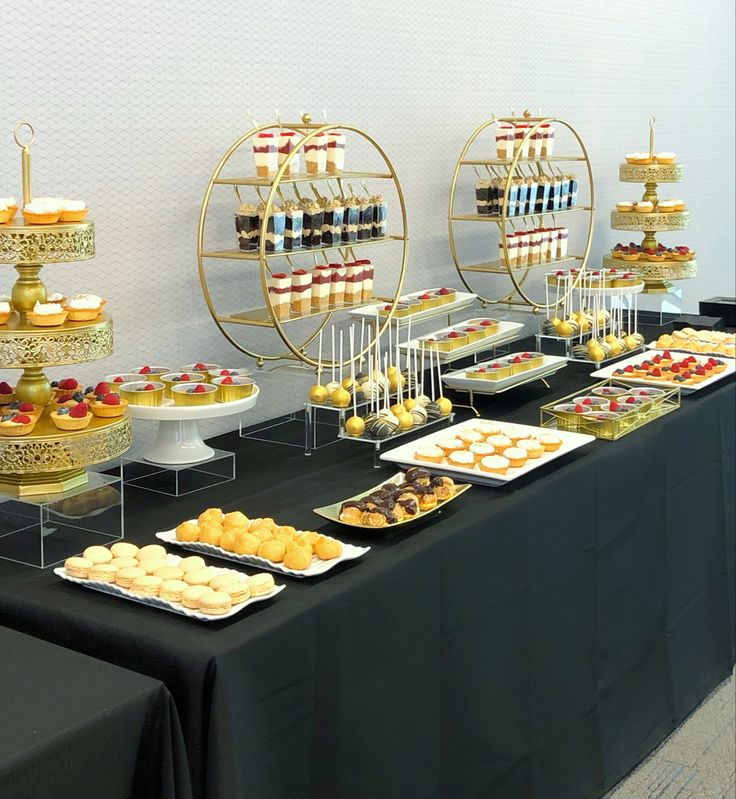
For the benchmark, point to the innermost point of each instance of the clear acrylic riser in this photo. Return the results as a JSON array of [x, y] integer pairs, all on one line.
[[45, 529], [177, 480], [559, 345], [661, 305]]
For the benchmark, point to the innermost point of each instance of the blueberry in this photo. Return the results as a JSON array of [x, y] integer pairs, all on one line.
[[54, 384], [191, 390], [14, 405], [79, 397], [7, 417], [177, 379], [63, 411], [100, 397], [89, 389]]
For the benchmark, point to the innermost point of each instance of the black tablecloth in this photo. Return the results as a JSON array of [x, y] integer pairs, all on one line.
[[534, 641], [76, 728]]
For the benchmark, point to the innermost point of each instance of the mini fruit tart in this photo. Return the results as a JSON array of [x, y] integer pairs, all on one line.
[[110, 406], [76, 418], [18, 424]]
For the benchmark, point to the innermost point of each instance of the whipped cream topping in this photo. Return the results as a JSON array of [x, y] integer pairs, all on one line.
[[8, 201], [72, 205], [47, 205], [85, 302], [57, 296], [47, 308], [4, 307]]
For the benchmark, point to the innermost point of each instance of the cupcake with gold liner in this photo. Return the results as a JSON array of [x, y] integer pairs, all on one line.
[[114, 381], [85, 307], [568, 415], [20, 424], [679, 204], [73, 211], [225, 372], [142, 392], [401, 310], [110, 407], [148, 372], [202, 367], [488, 325], [47, 314], [429, 299], [41, 212], [194, 395], [446, 295], [70, 419], [474, 333], [230, 389], [175, 378], [666, 206]]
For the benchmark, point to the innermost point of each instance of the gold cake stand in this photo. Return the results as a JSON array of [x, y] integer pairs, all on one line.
[[519, 295], [210, 257], [657, 275], [48, 459]]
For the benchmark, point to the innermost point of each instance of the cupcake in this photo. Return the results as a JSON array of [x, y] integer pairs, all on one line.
[[624, 207], [666, 206], [499, 443], [73, 210], [430, 454], [517, 456], [84, 307], [450, 445], [462, 459], [644, 207], [10, 206], [75, 418], [495, 464], [665, 158], [534, 448]]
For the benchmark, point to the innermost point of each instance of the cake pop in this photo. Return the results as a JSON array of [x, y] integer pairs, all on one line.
[[340, 397], [444, 404], [354, 425], [333, 384], [318, 393]]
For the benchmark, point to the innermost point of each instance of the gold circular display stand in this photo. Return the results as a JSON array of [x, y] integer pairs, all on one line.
[[657, 223], [651, 173], [61, 243], [50, 460], [264, 317], [23, 345], [518, 296]]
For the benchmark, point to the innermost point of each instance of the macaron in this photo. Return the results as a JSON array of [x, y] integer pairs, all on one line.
[[227, 578], [102, 572], [238, 592], [97, 554], [215, 603], [124, 563], [78, 567], [260, 584], [151, 551], [152, 565], [125, 576], [122, 549], [169, 573], [191, 595], [146, 586], [199, 576], [191, 563], [171, 590]]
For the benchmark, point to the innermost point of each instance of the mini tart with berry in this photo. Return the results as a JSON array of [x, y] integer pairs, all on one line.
[[101, 388], [69, 385], [110, 406], [7, 393], [18, 425], [76, 418], [29, 409], [67, 400]]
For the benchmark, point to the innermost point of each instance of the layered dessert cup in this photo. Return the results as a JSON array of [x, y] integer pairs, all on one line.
[[321, 286], [365, 220], [248, 226], [353, 282], [293, 227], [504, 142], [380, 216], [335, 152], [332, 219], [301, 292], [286, 145], [512, 246], [548, 141], [315, 154], [312, 223], [483, 197], [274, 228], [279, 294], [265, 153], [337, 286], [350, 220], [368, 275]]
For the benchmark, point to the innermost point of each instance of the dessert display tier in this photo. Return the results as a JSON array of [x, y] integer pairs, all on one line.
[[60, 243], [23, 345], [462, 300], [49, 459], [677, 220], [179, 439], [656, 271], [526, 185], [302, 213], [506, 332], [651, 173]]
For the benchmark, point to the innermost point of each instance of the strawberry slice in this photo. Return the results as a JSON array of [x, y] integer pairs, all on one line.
[[101, 388], [628, 369], [65, 398], [656, 373]]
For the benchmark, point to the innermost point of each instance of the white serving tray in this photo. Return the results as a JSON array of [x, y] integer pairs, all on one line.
[[643, 381], [349, 552], [458, 380], [164, 604], [404, 455], [462, 300], [507, 331], [683, 348]]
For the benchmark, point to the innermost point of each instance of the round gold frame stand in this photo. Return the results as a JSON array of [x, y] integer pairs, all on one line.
[[265, 317], [518, 296], [48, 460], [657, 275]]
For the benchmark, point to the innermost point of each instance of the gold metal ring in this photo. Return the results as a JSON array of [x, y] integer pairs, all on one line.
[[16, 131]]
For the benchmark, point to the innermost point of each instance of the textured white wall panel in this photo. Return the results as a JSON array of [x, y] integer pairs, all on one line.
[[135, 102]]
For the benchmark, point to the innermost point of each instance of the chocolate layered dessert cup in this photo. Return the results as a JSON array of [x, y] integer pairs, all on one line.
[[287, 144], [350, 220], [335, 152], [483, 197], [332, 220], [265, 154], [574, 183], [315, 154], [312, 223], [294, 227], [365, 222], [380, 216], [543, 190], [247, 226], [275, 227]]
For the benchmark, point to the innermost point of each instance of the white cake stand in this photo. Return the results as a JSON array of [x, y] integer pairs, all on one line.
[[179, 440]]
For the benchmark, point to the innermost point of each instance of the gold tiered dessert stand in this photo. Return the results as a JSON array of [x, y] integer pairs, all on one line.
[[655, 274], [519, 295], [49, 460], [264, 317]]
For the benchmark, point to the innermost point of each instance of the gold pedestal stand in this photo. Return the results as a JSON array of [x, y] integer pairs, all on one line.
[[49, 460], [657, 275], [520, 294]]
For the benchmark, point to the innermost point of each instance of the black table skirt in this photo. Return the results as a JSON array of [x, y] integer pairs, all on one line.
[[534, 641], [75, 727]]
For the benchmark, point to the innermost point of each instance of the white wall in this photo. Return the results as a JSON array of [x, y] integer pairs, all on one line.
[[135, 102]]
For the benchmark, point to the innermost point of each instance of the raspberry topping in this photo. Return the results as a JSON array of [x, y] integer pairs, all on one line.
[[102, 388], [5, 388], [199, 389], [700, 371], [517, 359], [614, 406], [656, 373], [26, 407], [587, 401], [79, 411], [146, 370], [579, 409], [21, 418], [630, 400], [225, 372], [184, 377], [444, 292], [118, 380], [226, 381], [69, 384], [149, 387]]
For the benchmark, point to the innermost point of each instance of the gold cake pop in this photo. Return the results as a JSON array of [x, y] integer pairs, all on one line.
[[398, 409], [318, 394], [354, 426], [445, 405], [340, 398], [406, 421]]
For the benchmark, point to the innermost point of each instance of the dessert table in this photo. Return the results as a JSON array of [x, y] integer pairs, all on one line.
[[76, 727], [534, 641]]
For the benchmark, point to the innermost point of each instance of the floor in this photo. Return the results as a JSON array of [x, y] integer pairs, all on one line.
[[698, 761]]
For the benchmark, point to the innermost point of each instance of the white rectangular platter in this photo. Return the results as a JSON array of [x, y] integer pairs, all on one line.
[[458, 380], [462, 300], [317, 567], [404, 455], [684, 389], [507, 331], [684, 348], [164, 604]]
